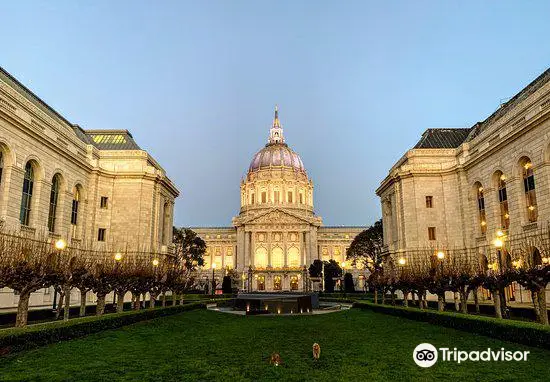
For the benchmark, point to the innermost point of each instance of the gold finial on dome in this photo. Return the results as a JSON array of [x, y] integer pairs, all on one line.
[[276, 122], [276, 132]]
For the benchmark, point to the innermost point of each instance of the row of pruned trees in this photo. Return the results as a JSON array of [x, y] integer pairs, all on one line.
[[28, 264], [524, 259]]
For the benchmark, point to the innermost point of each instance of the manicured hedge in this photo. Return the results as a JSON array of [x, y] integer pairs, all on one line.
[[17, 339], [527, 333]]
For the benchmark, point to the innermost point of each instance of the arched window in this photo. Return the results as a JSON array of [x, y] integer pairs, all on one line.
[[26, 200], [276, 197], [481, 208], [264, 197], [260, 258], [293, 257], [261, 282], [74, 211], [1, 166], [294, 283], [54, 194], [503, 201], [529, 189], [252, 198], [277, 258]]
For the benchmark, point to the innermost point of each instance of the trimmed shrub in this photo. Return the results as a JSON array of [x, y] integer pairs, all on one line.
[[526, 333], [17, 339], [349, 287], [226, 285]]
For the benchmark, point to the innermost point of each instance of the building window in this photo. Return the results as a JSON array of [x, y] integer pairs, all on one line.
[[101, 234], [252, 198], [74, 208], [264, 197], [276, 196], [26, 200], [301, 198], [277, 283], [529, 188], [481, 208], [54, 193], [503, 202], [1, 166], [431, 233], [277, 258], [294, 283], [104, 202], [261, 282], [289, 197], [429, 202]]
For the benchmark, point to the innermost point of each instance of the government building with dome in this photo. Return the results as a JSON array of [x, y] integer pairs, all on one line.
[[276, 235]]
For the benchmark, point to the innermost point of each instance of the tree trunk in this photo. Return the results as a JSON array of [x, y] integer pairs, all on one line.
[[22, 309], [375, 295], [392, 297], [100, 308], [143, 300], [541, 295], [82, 312], [413, 300], [383, 296], [503, 307], [441, 302], [120, 301], [496, 300], [60, 304], [152, 300], [476, 299], [457, 304], [464, 302], [535, 299], [67, 309], [163, 299], [405, 299], [137, 303]]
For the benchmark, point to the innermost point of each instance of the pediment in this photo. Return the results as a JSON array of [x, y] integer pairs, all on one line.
[[278, 217]]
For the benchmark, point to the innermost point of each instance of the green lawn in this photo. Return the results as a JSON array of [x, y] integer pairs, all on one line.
[[204, 345]]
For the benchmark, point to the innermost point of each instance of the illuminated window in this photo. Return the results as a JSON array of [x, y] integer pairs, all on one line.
[[529, 189], [431, 233], [261, 282], [503, 201], [429, 201], [260, 258], [293, 257], [116, 139], [54, 193], [277, 283], [481, 208], [26, 200], [277, 258], [294, 283]]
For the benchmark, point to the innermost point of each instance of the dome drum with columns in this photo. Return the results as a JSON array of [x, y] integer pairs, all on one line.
[[276, 235]]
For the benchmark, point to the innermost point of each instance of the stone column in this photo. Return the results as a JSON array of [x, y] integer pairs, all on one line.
[[285, 248], [252, 247], [307, 253]]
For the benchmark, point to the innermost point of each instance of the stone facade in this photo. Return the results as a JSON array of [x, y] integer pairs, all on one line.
[[458, 187], [92, 188], [277, 235]]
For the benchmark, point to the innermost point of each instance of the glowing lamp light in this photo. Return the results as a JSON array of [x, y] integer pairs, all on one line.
[[531, 208], [503, 177], [480, 189], [506, 216], [483, 223], [498, 243], [402, 261], [343, 265], [527, 165], [155, 262], [213, 265], [60, 244], [118, 256], [500, 233], [440, 255], [278, 310], [546, 260]]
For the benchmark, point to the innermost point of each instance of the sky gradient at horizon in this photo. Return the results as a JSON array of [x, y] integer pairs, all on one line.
[[196, 83]]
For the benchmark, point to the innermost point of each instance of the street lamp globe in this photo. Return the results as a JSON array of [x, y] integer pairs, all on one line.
[[213, 265], [402, 261], [155, 262], [60, 244], [498, 243], [118, 256], [440, 255]]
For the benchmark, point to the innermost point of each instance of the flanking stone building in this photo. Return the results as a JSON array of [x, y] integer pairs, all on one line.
[[92, 188], [457, 188], [276, 235]]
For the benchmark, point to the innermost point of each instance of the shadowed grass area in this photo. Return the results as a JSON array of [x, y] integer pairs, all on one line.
[[205, 345]]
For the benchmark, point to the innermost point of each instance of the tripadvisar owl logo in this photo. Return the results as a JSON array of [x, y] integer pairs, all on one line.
[[425, 355]]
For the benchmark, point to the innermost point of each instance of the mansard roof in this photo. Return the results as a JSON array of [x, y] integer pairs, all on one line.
[[112, 139], [442, 138]]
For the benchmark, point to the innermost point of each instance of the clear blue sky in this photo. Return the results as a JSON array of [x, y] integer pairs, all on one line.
[[196, 82]]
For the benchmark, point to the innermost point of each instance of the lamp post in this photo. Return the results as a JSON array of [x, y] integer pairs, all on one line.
[[117, 257], [60, 246], [343, 275], [213, 280]]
